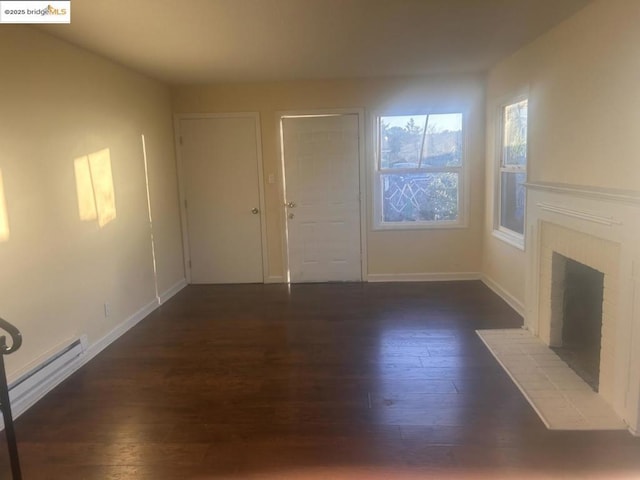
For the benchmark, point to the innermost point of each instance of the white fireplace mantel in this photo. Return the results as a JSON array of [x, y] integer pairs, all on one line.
[[601, 228]]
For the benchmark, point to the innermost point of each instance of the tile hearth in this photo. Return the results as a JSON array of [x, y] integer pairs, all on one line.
[[560, 397]]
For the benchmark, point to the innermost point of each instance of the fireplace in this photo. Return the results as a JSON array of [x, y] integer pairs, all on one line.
[[580, 315], [560, 243], [583, 280]]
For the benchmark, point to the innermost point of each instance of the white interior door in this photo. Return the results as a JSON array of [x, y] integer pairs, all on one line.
[[321, 163], [221, 186]]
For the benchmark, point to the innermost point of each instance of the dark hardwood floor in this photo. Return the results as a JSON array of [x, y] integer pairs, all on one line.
[[325, 381]]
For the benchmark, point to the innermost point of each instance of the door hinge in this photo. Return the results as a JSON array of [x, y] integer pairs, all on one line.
[[189, 262], [185, 204], [180, 139]]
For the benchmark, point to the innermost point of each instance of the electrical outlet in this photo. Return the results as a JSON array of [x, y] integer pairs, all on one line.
[[107, 310]]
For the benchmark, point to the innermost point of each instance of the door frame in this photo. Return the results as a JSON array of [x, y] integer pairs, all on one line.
[[362, 178], [182, 195]]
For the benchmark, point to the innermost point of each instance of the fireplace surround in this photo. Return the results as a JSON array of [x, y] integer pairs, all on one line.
[[600, 229]]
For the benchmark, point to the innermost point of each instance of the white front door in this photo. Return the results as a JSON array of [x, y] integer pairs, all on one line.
[[221, 186], [321, 163]]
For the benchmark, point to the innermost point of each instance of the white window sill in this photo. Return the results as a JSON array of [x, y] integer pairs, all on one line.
[[418, 226], [513, 239]]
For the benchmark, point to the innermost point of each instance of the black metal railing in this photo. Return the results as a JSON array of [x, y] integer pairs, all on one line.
[[5, 403]]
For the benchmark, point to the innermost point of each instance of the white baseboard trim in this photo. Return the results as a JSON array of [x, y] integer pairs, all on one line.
[[38, 391], [512, 301], [171, 291], [274, 279], [119, 330], [423, 277]]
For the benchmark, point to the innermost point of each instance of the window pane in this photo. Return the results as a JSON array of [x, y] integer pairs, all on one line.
[[512, 201], [443, 141], [419, 197], [514, 144], [400, 139]]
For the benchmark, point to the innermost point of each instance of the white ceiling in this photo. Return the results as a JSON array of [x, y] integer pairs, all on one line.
[[206, 41]]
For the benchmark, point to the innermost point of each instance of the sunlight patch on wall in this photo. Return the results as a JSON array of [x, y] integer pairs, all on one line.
[[94, 186], [4, 217], [153, 243], [84, 187]]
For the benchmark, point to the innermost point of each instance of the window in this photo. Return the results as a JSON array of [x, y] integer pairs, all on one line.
[[511, 194], [419, 170]]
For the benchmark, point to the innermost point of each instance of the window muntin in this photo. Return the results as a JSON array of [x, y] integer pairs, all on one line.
[[419, 170], [513, 170]]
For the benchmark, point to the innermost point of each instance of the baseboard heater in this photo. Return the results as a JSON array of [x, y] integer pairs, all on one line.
[[35, 384]]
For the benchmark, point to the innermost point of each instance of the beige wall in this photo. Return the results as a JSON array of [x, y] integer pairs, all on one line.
[[60, 103], [389, 252], [584, 112]]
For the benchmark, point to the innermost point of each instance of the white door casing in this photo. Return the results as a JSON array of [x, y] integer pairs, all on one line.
[[221, 188], [321, 157]]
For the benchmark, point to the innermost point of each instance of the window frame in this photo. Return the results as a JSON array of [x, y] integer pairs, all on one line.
[[505, 234], [378, 172]]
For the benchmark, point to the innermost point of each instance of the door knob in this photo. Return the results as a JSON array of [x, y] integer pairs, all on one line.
[[290, 216], [290, 205], [255, 211]]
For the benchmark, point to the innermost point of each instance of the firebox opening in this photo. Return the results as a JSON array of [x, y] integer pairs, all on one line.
[[582, 321]]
